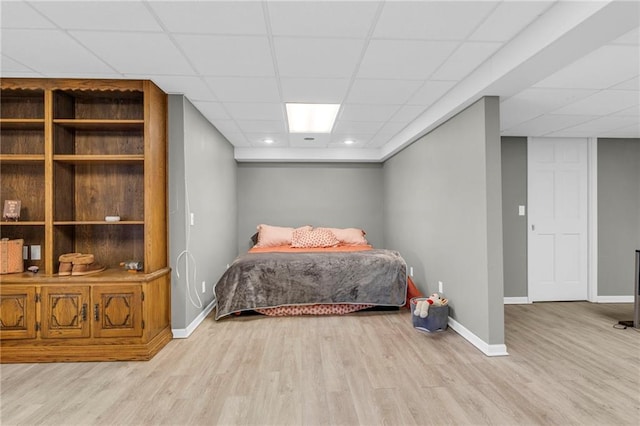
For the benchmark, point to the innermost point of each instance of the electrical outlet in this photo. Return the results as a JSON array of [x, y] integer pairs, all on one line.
[[411, 271], [35, 253], [192, 219], [440, 287], [204, 288]]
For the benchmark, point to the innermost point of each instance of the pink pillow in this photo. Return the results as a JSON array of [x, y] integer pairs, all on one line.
[[319, 237], [351, 236], [271, 236]]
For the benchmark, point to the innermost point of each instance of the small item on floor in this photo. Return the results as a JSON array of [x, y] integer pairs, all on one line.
[[430, 314], [33, 269], [132, 266]]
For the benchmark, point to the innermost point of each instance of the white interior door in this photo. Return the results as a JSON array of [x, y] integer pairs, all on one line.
[[557, 190]]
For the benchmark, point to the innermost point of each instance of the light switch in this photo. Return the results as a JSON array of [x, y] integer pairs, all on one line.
[[521, 211]]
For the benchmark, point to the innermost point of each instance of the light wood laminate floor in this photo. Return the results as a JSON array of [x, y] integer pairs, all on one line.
[[567, 365]]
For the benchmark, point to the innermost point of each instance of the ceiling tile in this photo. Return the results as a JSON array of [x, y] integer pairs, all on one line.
[[545, 124], [631, 84], [212, 110], [392, 127], [321, 140], [634, 111], [603, 125], [211, 17], [146, 53], [355, 127], [431, 20], [508, 19], [99, 15], [228, 56], [601, 103], [360, 140], [8, 65], [464, 60], [379, 140], [382, 91], [314, 90], [255, 111], [21, 15], [601, 69], [632, 38], [404, 59], [226, 126], [261, 126], [364, 112], [315, 57], [237, 139], [322, 19], [193, 88], [430, 92], [280, 140], [407, 113], [51, 46], [533, 102], [626, 132], [244, 89]]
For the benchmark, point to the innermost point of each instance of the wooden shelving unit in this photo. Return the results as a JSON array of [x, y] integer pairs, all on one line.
[[76, 151]]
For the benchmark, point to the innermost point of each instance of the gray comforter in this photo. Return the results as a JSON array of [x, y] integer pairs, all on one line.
[[267, 280]]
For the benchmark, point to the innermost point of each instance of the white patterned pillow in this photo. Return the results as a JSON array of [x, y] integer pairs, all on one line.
[[319, 237]]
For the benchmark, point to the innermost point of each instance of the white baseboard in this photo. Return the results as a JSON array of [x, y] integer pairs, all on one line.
[[183, 333], [516, 300], [485, 348], [614, 299]]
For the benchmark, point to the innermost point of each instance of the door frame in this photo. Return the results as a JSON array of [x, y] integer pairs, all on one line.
[[592, 222]]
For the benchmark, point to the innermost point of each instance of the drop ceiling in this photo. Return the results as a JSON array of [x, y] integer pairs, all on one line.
[[398, 68]]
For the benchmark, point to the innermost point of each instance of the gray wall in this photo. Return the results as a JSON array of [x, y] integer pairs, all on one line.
[[202, 181], [618, 215], [514, 227], [443, 212], [340, 195]]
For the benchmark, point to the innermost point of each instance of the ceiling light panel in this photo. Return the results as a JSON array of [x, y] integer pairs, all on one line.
[[212, 17], [431, 20], [311, 118], [315, 57], [146, 53], [228, 56], [404, 59]]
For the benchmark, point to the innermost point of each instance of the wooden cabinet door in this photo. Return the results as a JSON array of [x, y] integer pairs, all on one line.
[[117, 311], [18, 313], [65, 312]]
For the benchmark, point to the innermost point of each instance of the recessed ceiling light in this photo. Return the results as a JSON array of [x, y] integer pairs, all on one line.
[[311, 118], [268, 141], [349, 142]]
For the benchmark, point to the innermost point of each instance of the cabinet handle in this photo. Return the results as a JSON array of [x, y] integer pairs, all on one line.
[[96, 312], [83, 313]]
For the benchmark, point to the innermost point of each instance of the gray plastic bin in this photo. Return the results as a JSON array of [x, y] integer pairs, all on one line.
[[437, 320]]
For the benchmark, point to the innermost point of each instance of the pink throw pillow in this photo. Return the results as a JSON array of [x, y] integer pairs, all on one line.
[[350, 236], [319, 237], [272, 236]]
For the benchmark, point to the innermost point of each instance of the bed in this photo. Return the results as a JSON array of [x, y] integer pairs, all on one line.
[[311, 271]]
